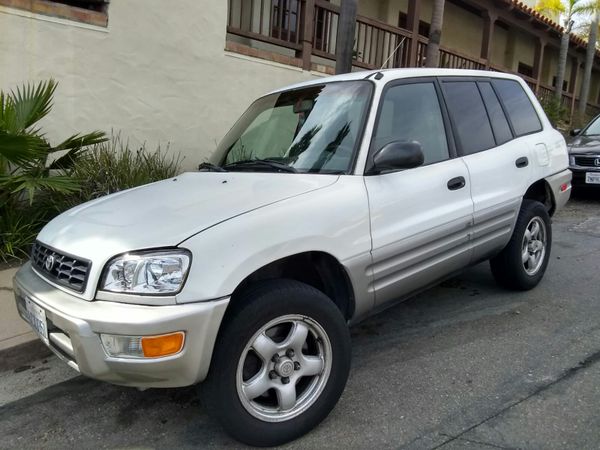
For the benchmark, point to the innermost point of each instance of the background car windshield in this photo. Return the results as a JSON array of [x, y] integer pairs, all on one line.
[[315, 129], [593, 128]]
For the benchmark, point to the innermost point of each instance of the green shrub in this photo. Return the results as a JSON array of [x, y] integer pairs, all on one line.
[[27, 177], [39, 181], [557, 114], [113, 166]]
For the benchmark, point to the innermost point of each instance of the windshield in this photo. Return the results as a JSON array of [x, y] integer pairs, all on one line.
[[593, 129], [311, 130]]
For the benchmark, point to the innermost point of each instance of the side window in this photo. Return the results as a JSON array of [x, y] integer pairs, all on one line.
[[411, 112], [500, 125], [521, 112], [469, 116]]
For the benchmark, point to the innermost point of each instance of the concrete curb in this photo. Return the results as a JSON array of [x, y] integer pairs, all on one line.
[[13, 330]]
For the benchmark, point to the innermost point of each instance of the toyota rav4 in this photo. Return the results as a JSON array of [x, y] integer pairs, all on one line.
[[326, 202]]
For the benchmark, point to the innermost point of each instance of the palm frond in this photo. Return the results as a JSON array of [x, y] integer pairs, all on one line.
[[29, 184], [550, 6], [75, 144], [21, 148], [29, 104]]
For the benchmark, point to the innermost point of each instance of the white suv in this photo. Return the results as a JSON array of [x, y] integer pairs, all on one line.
[[327, 201]]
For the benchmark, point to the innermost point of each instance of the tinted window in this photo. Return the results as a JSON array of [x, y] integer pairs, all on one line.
[[469, 116], [500, 125], [411, 112], [520, 111]]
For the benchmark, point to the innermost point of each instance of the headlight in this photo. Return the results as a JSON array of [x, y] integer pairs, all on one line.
[[158, 273], [571, 160]]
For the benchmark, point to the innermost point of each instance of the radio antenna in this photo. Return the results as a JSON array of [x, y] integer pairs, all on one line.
[[393, 53]]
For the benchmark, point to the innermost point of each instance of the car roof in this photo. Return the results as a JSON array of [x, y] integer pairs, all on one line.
[[394, 74]]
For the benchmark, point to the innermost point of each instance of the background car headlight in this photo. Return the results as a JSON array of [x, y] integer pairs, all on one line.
[[571, 160], [159, 273]]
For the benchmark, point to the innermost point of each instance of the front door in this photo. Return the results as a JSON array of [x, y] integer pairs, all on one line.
[[421, 217]]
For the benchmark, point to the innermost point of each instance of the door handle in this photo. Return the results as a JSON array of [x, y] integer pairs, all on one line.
[[456, 183], [522, 162]]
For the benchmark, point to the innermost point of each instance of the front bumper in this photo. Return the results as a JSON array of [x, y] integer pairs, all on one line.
[[74, 328], [579, 176], [557, 182]]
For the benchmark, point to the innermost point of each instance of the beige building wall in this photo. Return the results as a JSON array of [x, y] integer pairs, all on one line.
[[462, 30], [500, 46], [161, 76]]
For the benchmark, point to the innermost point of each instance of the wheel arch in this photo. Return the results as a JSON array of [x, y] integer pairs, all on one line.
[[542, 192], [318, 269]]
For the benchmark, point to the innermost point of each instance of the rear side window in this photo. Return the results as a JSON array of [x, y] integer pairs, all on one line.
[[469, 116], [411, 112], [520, 111], [498, 120]]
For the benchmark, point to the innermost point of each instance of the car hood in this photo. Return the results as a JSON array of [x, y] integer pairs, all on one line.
[[585, 145], [166, 213]]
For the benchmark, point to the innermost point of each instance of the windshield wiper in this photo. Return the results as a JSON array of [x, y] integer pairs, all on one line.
[[250, 163], [210, 167]]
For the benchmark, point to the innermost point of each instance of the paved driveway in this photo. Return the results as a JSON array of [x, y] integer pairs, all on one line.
[[464, 365]]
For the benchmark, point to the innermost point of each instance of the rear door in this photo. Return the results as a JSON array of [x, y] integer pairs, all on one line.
[[497, 156], [420, 217]]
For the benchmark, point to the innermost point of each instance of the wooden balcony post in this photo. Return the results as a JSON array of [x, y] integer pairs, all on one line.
[[538, 62], [487, 41], [308, 21], [413, 16]]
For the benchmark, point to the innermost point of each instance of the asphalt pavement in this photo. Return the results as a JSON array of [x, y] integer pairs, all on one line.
[[465, 365]]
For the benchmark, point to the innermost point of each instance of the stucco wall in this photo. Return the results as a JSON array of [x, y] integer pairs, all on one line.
[[159, 73], [462, 30]]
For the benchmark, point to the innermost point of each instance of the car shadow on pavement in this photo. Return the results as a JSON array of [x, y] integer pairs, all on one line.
[[85, 413]]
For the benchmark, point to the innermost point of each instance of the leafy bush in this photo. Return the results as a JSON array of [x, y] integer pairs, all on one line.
[[27, 179], [557, 114], [113, 166], [39, 181]]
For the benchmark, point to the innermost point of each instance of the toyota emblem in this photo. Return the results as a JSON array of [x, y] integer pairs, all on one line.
[[49, 262]]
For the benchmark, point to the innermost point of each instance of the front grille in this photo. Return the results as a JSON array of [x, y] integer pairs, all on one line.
[[63, 269], [588, 161]]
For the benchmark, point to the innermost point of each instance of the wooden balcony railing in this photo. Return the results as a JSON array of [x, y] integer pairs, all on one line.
[[376, 44], [309, 28], [276, 22]]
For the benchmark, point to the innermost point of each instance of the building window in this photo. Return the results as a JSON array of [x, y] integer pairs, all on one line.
[[525, 69], [565, 84], [423, 26], [92, 12], [92, 5]]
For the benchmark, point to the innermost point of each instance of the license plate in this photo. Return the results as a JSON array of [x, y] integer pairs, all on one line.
[[36, 317], [592, 178]]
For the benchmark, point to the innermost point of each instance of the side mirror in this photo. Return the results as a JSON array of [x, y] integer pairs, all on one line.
[[398, 155], [575, 131]]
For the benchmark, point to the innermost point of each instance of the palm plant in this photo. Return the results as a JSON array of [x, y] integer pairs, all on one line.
[[435, 34], [31, 169], [567, 9]]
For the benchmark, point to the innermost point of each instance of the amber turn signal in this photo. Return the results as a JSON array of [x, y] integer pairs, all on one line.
[[163, 345]]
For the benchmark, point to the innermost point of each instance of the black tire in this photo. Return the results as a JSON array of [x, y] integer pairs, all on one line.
[[254, 309], [508, 267]]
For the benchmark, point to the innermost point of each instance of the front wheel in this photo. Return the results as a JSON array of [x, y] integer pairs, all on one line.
[[522, 263], [280, 364]]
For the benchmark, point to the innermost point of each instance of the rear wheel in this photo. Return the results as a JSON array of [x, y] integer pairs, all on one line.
[[280, 364], [522, 263]]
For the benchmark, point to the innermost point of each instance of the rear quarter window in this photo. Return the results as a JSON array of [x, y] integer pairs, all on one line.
[[520, 110]]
